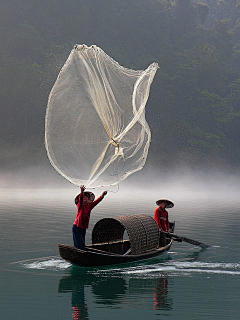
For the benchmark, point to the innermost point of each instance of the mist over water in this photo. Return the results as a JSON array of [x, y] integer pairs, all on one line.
[[176, 184]]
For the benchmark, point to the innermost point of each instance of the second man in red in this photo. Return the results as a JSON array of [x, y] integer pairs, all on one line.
[[161, 217]]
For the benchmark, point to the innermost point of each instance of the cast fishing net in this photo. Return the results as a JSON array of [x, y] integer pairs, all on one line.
[[96, 133]]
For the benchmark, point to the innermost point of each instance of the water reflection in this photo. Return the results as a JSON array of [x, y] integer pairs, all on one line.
[[105, 290], [161, 300], [75, 283], [79, 305], [109, 291], [124, 286], [113, 291], [156, 287]]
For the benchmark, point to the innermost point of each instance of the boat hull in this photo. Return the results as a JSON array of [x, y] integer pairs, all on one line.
[[91, 257]]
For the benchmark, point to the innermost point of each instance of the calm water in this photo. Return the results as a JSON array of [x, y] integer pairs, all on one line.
[[186, 283]]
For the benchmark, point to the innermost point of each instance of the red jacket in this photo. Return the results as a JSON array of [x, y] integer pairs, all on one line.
[[161, 216], [83, 211]]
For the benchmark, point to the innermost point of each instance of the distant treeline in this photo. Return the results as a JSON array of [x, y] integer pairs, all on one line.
[[194, 105]]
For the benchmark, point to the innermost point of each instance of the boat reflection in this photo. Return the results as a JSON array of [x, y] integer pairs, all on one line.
[[87, 287], [110, 291]]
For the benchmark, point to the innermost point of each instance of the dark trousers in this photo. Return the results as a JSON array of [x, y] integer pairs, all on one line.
[[162, 239], [78, 237]]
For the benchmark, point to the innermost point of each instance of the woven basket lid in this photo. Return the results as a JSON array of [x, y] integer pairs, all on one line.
[[142, 231]]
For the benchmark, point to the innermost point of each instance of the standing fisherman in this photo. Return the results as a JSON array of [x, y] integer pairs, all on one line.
[[161, 217], [85, 203]]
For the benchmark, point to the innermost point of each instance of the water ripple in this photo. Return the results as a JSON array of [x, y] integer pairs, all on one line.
[[48, 264], [175, 268]]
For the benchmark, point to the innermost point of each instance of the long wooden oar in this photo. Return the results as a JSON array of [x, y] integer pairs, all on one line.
[[180, 239]]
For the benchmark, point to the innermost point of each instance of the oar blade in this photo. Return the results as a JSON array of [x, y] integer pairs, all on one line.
[[191, 241], [194, 242]]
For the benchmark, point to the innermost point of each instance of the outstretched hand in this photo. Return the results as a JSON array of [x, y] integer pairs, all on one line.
[[104, 193]]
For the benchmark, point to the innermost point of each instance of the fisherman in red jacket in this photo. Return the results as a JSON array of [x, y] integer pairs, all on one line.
[[85, 203], [161, 217]]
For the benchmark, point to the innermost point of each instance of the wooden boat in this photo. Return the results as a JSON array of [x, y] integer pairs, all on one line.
[[108, 246]]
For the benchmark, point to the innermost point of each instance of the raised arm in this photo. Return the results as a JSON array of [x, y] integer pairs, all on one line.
[[82, 188], [94, 203]]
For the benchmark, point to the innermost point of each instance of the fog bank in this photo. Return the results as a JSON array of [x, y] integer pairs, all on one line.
[[181, 184]]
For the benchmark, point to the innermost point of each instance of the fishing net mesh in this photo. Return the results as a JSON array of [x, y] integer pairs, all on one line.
[[96, 133]]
